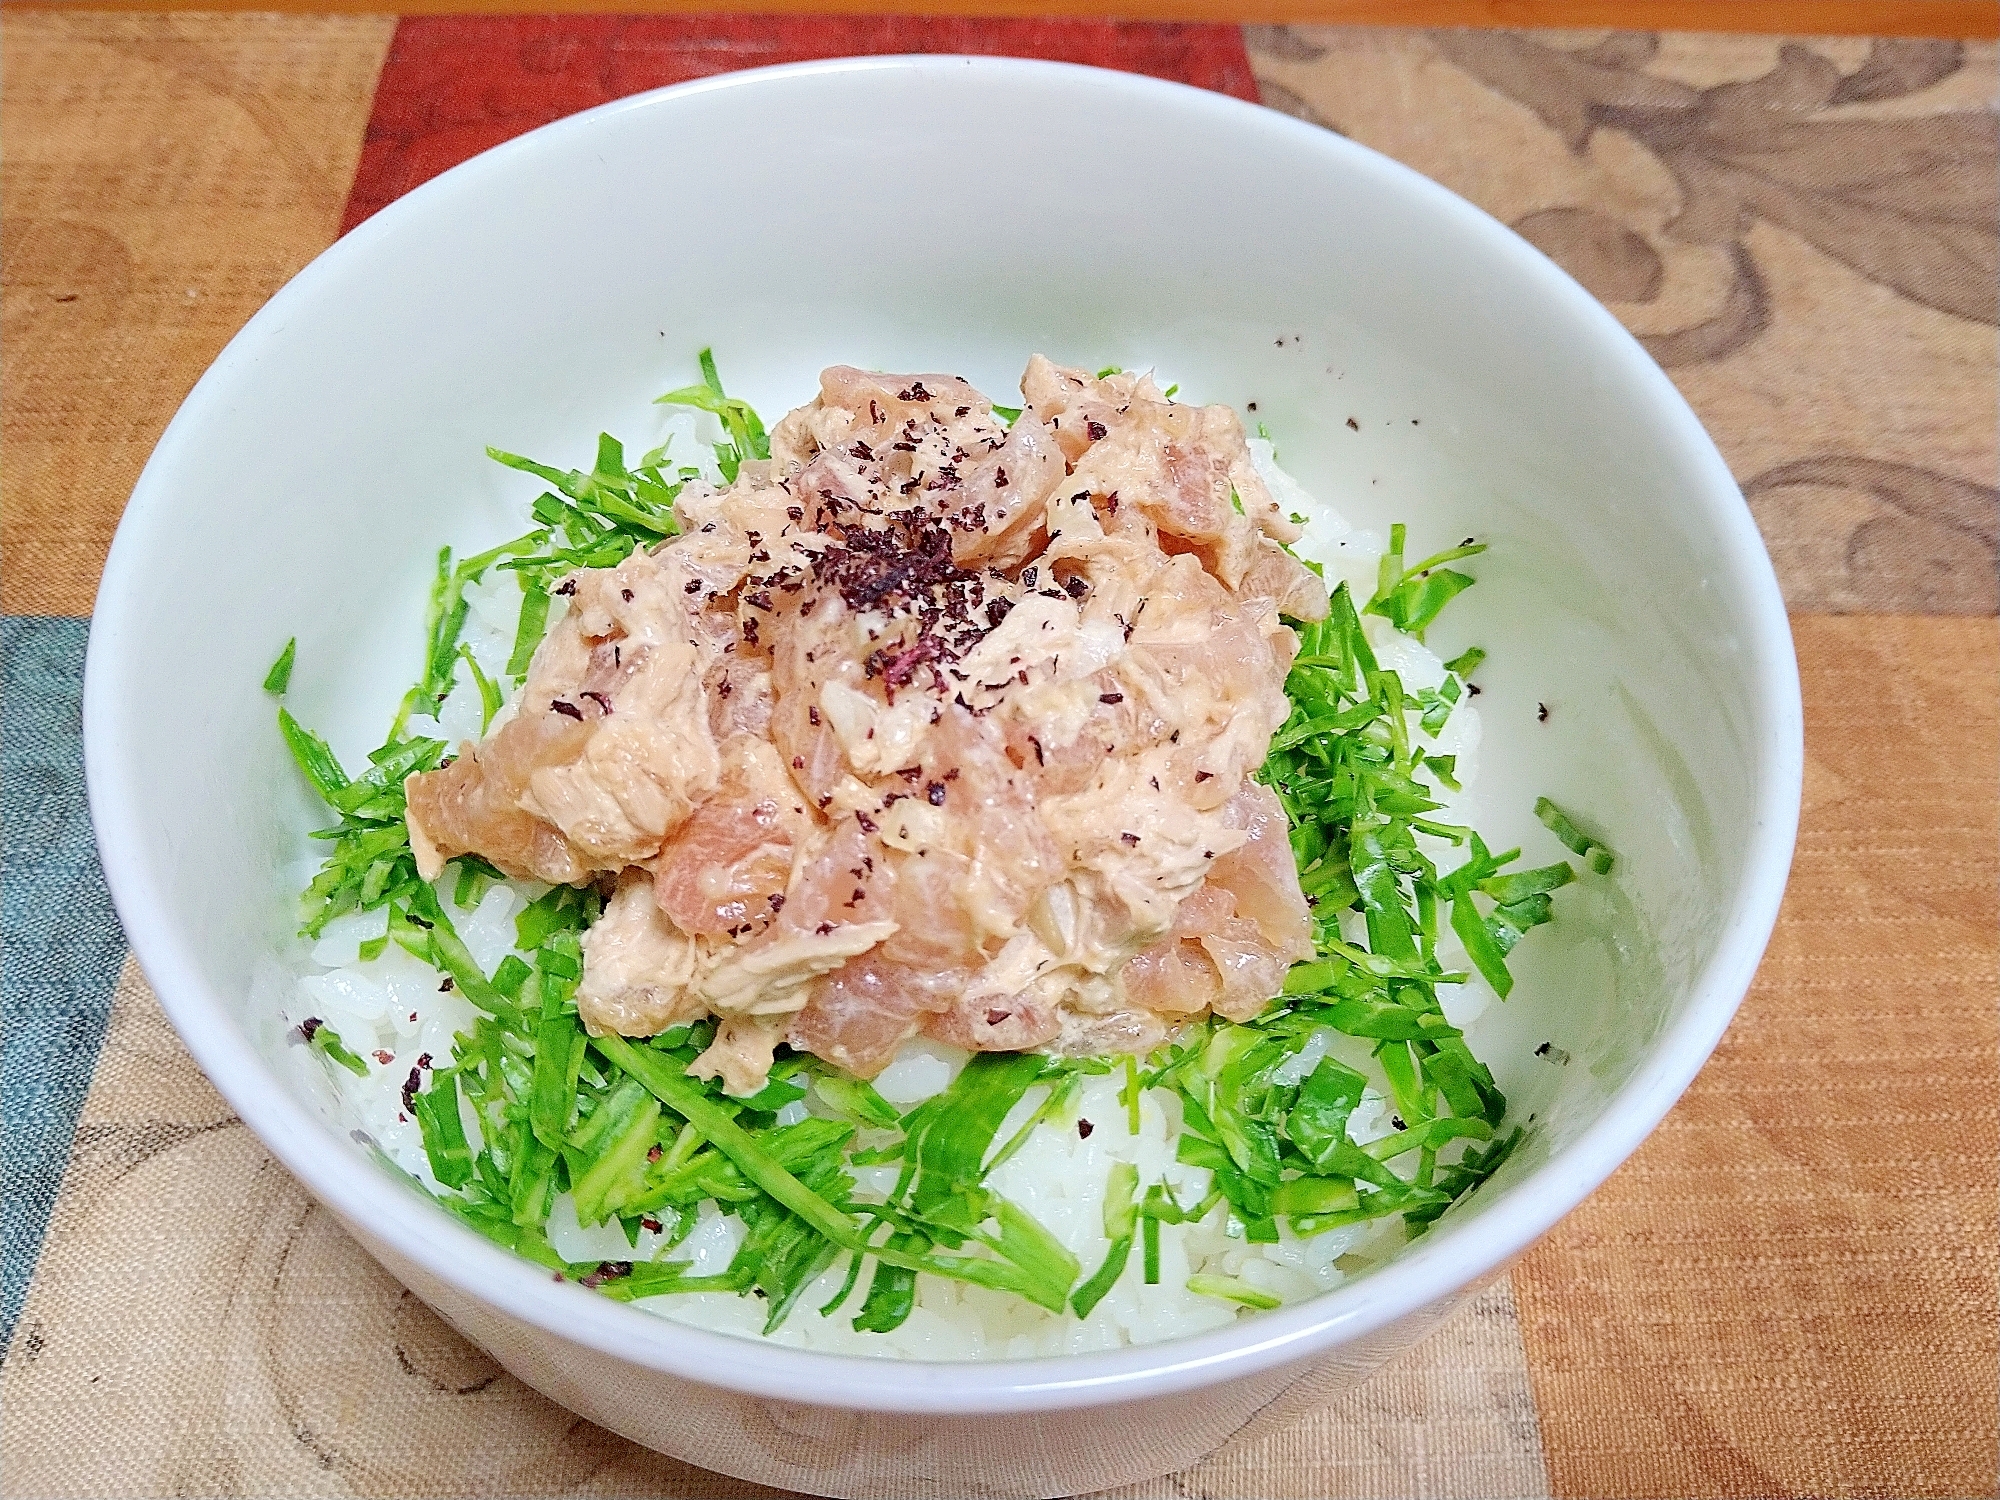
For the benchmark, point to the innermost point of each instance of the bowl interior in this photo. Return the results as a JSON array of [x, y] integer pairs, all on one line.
[[955, 214]]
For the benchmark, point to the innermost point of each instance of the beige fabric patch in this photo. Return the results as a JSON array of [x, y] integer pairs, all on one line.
[[1804, 232], [199, 1326], [1453, 1419], [165, 175]]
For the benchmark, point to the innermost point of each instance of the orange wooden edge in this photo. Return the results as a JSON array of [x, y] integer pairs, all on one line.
[[1913, 18]]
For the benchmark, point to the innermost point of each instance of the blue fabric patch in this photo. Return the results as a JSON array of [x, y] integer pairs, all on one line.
[[62, 942]]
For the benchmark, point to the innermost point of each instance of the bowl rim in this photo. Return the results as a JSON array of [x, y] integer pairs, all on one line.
[[1433, 1271]]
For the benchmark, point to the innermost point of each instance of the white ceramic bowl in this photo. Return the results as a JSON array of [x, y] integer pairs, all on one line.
[[959, 213]]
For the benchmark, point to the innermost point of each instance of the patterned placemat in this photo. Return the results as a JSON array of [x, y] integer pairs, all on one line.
[[1790, 1290]]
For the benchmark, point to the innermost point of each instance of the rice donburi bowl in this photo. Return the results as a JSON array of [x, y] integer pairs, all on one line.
[[308, 481]]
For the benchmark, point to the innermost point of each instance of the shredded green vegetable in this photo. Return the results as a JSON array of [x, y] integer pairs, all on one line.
[[747, 439], [280, 676], [1595, 852], [529, 1106], [1232, 1290], [324, 1040], [1411, 598], [1121, 1218]]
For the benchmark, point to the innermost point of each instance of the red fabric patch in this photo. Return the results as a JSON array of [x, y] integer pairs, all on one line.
[[454, 85]]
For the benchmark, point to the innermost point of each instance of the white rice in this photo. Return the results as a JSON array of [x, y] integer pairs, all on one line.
[[390, 1011]]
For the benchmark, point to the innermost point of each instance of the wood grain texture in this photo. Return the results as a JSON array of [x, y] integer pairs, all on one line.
[[165, 175], [1914, 18], [1789, 1289]]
